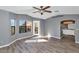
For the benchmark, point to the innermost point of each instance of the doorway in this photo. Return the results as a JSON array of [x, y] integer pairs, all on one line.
[[67, 29]]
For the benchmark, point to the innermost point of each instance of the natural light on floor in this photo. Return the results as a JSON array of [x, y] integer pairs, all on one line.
[[36, 40]]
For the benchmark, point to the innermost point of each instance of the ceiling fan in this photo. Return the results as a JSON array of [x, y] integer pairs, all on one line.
[[42, 9]]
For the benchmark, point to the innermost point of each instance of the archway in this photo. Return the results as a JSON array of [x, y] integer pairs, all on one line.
[[67, 29]]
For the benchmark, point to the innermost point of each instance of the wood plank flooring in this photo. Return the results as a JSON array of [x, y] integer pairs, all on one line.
[[34, 45]]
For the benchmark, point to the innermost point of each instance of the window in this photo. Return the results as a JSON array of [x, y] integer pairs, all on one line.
[[25, 26], [22, 26], [12, 26]]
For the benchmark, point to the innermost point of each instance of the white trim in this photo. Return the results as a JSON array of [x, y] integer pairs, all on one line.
[[15, 41]]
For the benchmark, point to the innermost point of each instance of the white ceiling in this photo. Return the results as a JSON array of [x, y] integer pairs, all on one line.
[[28, 10]]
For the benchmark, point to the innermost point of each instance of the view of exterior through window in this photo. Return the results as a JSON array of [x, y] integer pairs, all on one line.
[[24, 26], [29, 26]]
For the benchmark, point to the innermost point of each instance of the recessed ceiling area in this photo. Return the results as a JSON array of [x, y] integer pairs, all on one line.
[[28, 10]]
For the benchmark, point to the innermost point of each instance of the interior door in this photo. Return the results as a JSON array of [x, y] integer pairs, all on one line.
[[36, 27]]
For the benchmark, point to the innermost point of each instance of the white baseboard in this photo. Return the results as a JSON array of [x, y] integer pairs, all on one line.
[[15, 41], [76, 42], [56, 37], [51, 36]]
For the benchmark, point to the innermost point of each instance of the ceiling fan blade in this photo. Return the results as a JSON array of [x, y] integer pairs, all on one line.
[[46, 7], [36, 8], [48, 11], [35, 11]]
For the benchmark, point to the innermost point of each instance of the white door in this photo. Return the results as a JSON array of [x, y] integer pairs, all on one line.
[[36, 27]]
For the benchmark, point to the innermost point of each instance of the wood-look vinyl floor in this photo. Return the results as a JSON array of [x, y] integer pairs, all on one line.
[[34, 45]]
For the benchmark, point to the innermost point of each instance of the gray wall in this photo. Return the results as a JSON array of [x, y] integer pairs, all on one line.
[[4, 27], [52, 27], [42, 27]]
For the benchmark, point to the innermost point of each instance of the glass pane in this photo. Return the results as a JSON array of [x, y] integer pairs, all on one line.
[[29, 26], [12, 30], [12, 26], [22, 29], [36, 28], [22, 26], [22, 22]]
